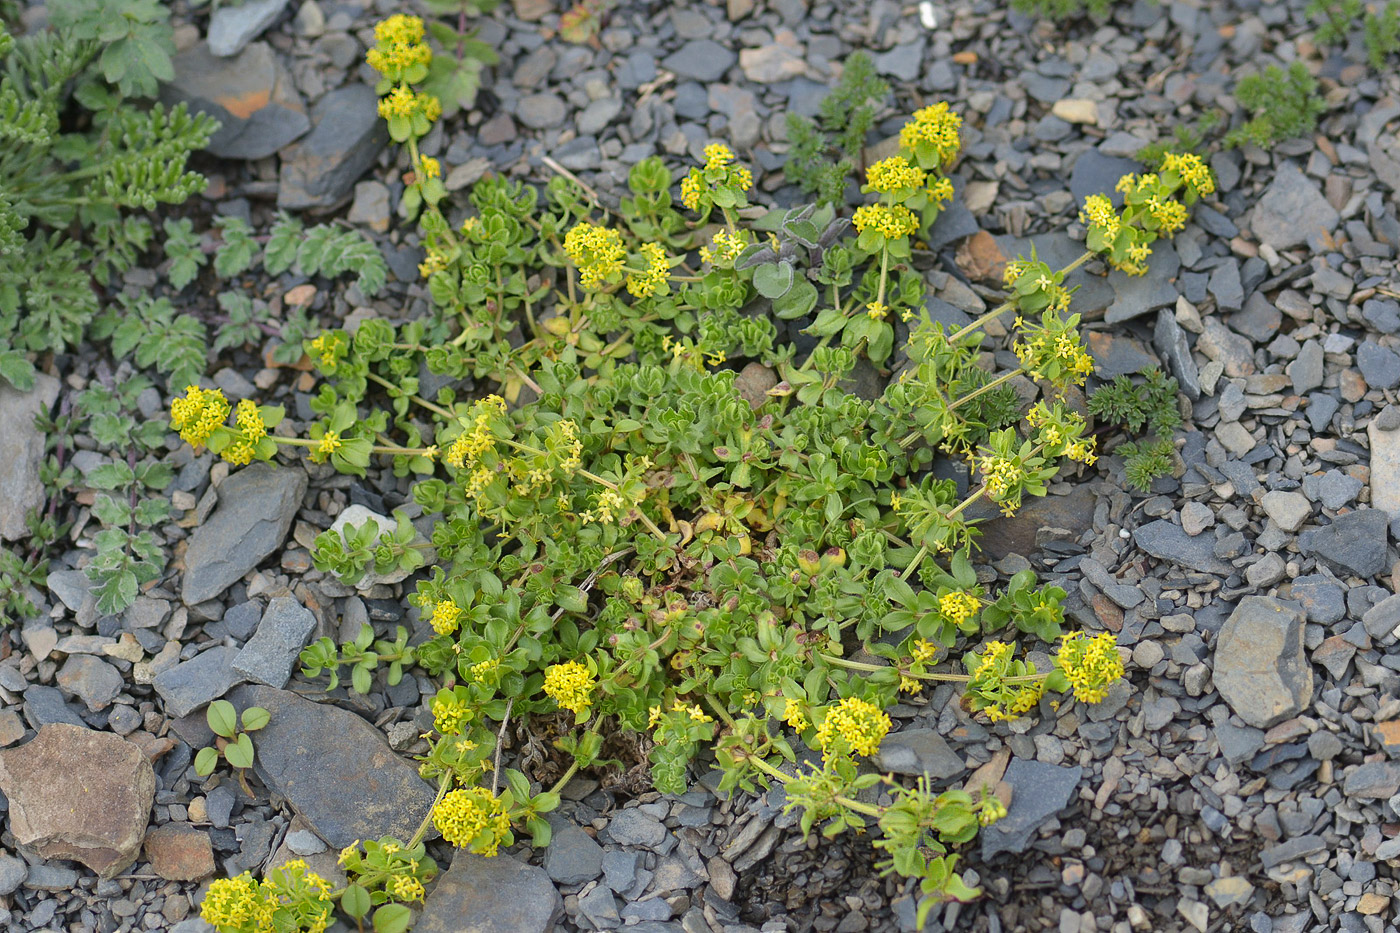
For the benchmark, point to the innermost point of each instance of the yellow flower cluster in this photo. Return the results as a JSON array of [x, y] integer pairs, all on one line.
[[434, 262], [450, 715], [719, 172], [727, 247], [609, 505], [197, 414], [957, 607], [407, 888], [1091, 663], [329, 444], [484, 671], [570, 685], [853, 725], [290, 898], [695, 712], [1098, 212], [446, 617], [596, 251], [403, 101], [794, 716], [936, 126], [1002, 477], [398, 46], [250, 424], [649, 281], [1192, 170], [1043, 346], [476, 440], [892, 220], [877, 310], [428, 167], [923, 650], [992, 810], [472, 817], [1170, 214], [237, 903], [941, 190], [894, 174], [1014, 699]]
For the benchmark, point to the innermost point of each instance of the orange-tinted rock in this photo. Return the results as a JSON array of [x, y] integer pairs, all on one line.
[[180, 852]]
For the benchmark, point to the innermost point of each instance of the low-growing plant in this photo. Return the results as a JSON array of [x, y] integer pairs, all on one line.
[[825, 151], [1062, 10], [1380, 26], [633, 546], [1283, 105], [1151, 404], [233, 741], [364, 654]]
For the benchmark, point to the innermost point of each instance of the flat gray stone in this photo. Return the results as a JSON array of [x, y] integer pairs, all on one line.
[[233, 27], [701, 60], [1038, 792], [319, 757], [22, 452], [572, 856], [490, 895], [91, 680], [918, 752], [1261, 669], [191, 684], [1289, 510], [1166, 541], [270, 654], [1172, 346], [635, 828], [255, 510], [347, 135], [1354, 543], [1135, 295], [1375, 780], [1385, 461], [251, 95], [1291, 209]]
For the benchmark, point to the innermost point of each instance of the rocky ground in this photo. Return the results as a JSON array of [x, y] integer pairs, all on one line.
[[1246, 777]]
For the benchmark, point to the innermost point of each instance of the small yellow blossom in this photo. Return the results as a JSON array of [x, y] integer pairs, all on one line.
[[450, 715], [198, 414], [891, 220], [570, 685], [446, 617], [329, 444], [472, 817], [1091, 663], [794, 716], [853, 725], [428, 167], [649, 281], [894, 174], [596, 251], [407, 888], [936, 126], [877, 310], [957, 607], [233, 903]]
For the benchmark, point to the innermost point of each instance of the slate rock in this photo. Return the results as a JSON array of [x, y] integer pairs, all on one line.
[[1169, 340], [255, 510], [91, 680], [319, 756], [700, 60], [1039, 791], [346, 137], [635, 828], [80, 795], [13, 872], [1288, 510], [233, 26], [1225, 286], [1117, 355], [1259, 320], [1037, 521], [1353, 543], [1136, 295], [1306, 370], [541, 111], [1166, 541], [1291, 209], [180, 852], [1384, 435], [1375, 780], [22, 451], [1380, 367], [918, 752], [490, 895], [1323, 600], [1260, 669], [191, 684], [45, 705], [269, 655], [1097, 173], [251, 95], [572, 856]]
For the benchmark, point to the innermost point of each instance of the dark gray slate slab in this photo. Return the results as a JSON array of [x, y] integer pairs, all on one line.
[[320, 756], [1353, 543], [1039, 791], [346, 137], [190, 684], [251, 95], [1166, 541], [918, 752], [490, 895], [255, 510]]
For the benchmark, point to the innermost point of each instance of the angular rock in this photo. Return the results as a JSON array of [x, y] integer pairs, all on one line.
[[1384, 435], [918, 752], [1380, 367], [1260, 667], [1287, 509], [346, 137], [256, 508], [1172, 346], [1097, 173], [1135, 295], [180, 852], [233, 26], [319, 756], [22, 451], [490, 895], [701, 60], [44, 705], [91, 680], [1038, 520], [1166, 541], [1353, 543], [251, 95], [1375, 780], [635, 828], [13, 872], [191, 684], [81, 795], [269, 655], [1291, 209], [1039, 791], [572, 856]]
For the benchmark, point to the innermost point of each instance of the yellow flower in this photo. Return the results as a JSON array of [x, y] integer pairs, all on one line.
[[450, 715], [1192, 170], [958, 607], [909, 684], [936, 126], [347, 854], [892, 220], [794, 716], [330, 443], [876, 310], [650, 280], [407, 888], [477, 439], [429, 167], [853, 725], [941, 190], [923, 650], [570, 685], [231, 903], [487, 670], [1091, 663], [894, 174], [717, 156], [446, 617], [992, 810], [596, 251], [694, 712], [198, 414], [471, 817], [328, 346], [690, 192]]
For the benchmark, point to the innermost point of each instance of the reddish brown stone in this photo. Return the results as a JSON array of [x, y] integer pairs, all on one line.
[[981, 258], [179, 852]]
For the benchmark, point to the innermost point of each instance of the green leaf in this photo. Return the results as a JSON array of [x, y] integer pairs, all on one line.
[[16, 370], [392, 918], [355, 901], [222, 718], [772, 280], [240, 752], [205, 761], [255, 717], [115, 591]]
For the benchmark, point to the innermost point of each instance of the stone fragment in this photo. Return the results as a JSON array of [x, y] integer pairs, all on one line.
[[180, 852], [1073, 110], [1375, 780], [319, 756], [1039, 791], [22, 451], [635, 828], [1038, 520], [1291, 209], [233, 26], [80, 795], [1229, 349], [1355, 542], [13, 872], [490, 895], [251, 95], [1287, 509], [1384, 435], [701, 60], [256, 508], [1117, 355], [319, 170], [1166, 541], [572, 856], [1171, 344], [1135, 295], [1260, 667], [91, 680], [769, 64], [191, 684], [918, 752], [268, 656]]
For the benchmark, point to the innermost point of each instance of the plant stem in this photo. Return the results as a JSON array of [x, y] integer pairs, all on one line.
[[1011, 303], [418, 400], [914, 564], [999, 380], [443, 787], [865, 808]]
